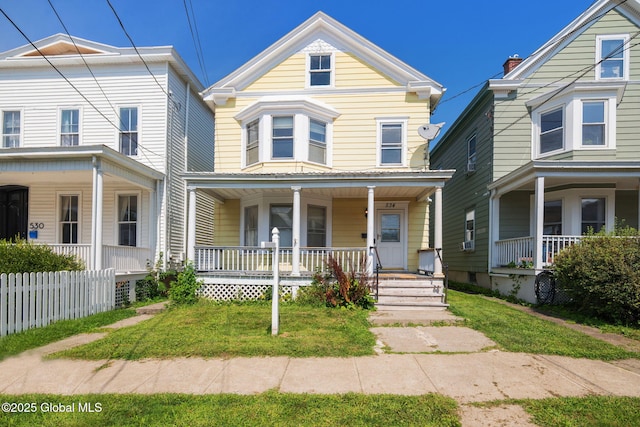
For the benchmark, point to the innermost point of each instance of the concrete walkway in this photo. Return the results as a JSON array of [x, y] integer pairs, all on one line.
[[467, 375]]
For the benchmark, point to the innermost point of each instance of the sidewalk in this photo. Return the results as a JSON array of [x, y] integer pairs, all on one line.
[[466, 377]]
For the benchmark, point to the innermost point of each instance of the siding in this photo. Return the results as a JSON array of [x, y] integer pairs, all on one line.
[[466, 191], [227, 223], [205, 219]]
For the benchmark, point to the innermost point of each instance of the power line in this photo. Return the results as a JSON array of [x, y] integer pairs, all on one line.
[[71, 84], [196, 40]]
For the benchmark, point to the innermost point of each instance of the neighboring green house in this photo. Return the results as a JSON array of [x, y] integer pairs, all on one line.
[[545, 153]]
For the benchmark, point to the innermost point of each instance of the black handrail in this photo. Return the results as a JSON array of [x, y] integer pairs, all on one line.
[[378, 268], [446, 274]]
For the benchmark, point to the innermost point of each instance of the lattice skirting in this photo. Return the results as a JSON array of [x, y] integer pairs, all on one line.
[[240, 292], [123, 289]]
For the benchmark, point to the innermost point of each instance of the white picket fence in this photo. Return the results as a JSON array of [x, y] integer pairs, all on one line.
[[32, 300]]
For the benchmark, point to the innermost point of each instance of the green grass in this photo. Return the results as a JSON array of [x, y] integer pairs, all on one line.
[[267, 409], [587, 411], [17, 343], [209, 329], [516, 331]]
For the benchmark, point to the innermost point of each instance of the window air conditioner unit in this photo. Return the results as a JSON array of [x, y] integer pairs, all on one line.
[[471, 167], [467, 245]]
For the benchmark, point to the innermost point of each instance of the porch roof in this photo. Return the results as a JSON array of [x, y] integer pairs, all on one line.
[[620, 174], [70, 163], [344, 184]]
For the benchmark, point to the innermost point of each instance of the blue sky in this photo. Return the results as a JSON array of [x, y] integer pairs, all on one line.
[[459, 44]]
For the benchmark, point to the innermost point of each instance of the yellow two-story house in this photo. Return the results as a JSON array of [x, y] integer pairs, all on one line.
[[317, 136]]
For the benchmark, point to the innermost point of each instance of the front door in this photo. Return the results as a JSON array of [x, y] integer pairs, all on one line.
[[13, 212], [390, 238]]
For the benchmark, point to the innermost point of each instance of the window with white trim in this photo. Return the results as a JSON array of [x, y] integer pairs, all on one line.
[[469, 230], [11, 129], [316, 226], [251, 225], [320, 70], [69, 127], [612, 57], [282, 137], [317, 141], [253, 143], [593, 123], [593, 214], [552, 218], [129, 131], [69, 218], [391, 143], [281, 216], [552, 130], [127, 220], [471, 154]]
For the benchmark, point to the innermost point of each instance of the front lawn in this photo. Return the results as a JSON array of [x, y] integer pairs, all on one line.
[[13, 344], [209, 329], [267, 409], [516, 331], [589, 411]]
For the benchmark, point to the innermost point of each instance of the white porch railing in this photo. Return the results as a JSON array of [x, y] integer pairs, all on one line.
[[518, 250], [251, 259], [82, 252], [121, 258], [125, 258]]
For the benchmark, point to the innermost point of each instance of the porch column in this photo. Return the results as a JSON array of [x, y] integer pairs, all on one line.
[[371, 210], [494, 229], [295, 230], [437, 233], [191, 225], [538, 225], [96, 217]]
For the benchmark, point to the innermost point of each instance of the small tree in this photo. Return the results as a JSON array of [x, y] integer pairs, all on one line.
[[602, 275], [185, 289], [26, 257]]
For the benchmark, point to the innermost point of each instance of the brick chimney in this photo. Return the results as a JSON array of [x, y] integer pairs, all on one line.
[[511, 63]]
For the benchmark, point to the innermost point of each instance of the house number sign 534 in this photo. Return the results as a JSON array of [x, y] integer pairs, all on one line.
[[36, 226], [390, 205]]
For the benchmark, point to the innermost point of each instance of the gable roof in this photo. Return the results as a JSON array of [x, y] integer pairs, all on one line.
[[322, 26], [62, 49], [628, 8]]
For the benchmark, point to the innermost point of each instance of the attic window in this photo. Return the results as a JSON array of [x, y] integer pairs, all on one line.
[[319, 70]]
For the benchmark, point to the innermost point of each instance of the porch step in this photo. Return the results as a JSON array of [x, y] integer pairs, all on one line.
[[410, 293]]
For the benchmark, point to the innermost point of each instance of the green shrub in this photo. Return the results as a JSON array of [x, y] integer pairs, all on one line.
[[185, 289], [339, 289], [27, 257], [601, 274]]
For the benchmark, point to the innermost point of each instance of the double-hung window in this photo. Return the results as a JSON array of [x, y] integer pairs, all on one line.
[[69, 207], [316, 226], [281, 216], [612, 57], [251, 225], [10, 129], [552, 218], [129, 131], [552, 130], [282, 137], [593, 214], [253, 143], [127, 220], [319, 70], [317, 141], [391, 143], [470, 229], [471, 154], [593, 123], [69, 127]]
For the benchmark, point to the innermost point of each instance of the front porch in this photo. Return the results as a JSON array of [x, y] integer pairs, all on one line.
[[518, 252], [123, 259]]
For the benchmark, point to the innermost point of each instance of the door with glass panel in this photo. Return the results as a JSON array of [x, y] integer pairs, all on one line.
[[390, 238]]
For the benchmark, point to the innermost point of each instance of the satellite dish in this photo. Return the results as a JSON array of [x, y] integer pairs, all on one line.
[[430, 131]]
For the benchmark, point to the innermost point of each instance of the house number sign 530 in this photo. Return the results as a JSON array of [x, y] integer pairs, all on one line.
[[36, 226]]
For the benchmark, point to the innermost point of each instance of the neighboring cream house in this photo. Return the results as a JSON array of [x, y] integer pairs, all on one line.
[[546, 152], [94, 140], [317, 136]]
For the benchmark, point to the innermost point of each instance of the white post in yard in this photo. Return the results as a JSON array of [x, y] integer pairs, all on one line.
[[275, 309]]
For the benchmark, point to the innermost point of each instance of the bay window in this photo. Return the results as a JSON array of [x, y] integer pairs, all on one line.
[[552, 130], [593, 123], [253, 146], [593, 214], [317, 141], [281, 216], [282, 137]]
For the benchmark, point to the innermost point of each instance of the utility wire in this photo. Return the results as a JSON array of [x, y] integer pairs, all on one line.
[[196, 40]]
